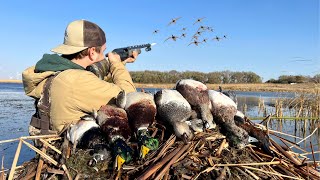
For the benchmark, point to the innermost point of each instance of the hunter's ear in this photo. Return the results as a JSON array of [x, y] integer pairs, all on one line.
[[91, 52]]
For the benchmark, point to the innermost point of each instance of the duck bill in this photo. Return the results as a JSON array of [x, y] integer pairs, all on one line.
[[120, 161], [144, 151], [184, 138]]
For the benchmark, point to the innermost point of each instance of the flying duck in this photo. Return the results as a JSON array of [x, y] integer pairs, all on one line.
[[194, 42], [224, 110], [174, 20], [173, 108], [198, 20], [114, 122], [173, 37], [196, 93], [141, 110]]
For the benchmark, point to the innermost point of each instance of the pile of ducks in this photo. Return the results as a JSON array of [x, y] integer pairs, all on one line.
[[188, 108]]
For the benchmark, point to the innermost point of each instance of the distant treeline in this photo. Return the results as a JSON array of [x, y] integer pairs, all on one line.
[[221, 77], [287, 79]]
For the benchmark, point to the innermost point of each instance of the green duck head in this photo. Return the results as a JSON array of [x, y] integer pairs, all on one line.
[[123, 153], [146, 142]]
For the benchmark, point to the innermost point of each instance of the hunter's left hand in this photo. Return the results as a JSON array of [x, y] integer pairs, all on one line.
[[132, 59]]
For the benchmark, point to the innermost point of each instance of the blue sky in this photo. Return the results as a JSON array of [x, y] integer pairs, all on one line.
[[269, 37]]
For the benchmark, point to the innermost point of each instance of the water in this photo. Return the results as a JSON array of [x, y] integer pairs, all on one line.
[[16, 109]]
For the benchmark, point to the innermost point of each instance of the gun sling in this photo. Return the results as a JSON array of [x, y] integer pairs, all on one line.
[[41, 119]]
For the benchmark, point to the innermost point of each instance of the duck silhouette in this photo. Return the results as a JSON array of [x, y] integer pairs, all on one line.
[[196, 93], [199, 33], [183, 35], [195, 42], [195, 37], [203, 28], [205, 40], [210, 29], [216, 38], [174, 20], [174, 38], [198, 20]]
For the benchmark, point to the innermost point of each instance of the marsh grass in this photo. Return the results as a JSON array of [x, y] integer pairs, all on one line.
[[298, 88], [302, 106]]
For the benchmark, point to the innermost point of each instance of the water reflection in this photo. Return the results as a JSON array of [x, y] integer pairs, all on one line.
[[299, 128]]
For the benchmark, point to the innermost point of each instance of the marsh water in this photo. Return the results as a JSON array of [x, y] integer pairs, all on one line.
[[16, 109]]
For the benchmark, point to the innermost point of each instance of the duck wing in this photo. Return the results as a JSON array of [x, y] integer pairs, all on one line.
[[141, 109], [114, 122]]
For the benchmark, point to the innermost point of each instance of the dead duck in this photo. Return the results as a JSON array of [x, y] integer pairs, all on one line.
[[114, 122], [224, 110], [86, 133], [196, 93], [173, 108], [263, 139], [99, 154], [141, 110]]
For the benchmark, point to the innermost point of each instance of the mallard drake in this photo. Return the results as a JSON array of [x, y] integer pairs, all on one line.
[[141, 110], [224, 110], [86, 133], [196, 93], [114, 122], [173, 108]]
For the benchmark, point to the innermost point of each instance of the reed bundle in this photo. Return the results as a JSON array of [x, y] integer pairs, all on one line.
[[208, 156]]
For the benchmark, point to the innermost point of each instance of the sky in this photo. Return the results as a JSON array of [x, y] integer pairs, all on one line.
[[268, 37]]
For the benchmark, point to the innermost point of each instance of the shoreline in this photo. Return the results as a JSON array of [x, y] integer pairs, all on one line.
[[10, 81], [264, 87], [261, 87]]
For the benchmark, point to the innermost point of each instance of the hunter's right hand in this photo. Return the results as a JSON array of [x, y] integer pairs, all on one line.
[[113, 57]]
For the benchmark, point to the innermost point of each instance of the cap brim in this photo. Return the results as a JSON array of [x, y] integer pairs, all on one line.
[[66, 49]]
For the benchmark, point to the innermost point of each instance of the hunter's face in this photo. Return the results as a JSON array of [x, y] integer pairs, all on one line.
[[101, 54]]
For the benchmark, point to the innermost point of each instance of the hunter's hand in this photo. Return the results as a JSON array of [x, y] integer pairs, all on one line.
[[113, 57], [132, 59]]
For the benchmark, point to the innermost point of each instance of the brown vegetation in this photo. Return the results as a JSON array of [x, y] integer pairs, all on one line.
[[304, 87], [301, 87], [208, 156]]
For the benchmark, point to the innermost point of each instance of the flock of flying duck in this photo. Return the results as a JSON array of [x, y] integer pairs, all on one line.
[[196, 38], [187, 108]]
